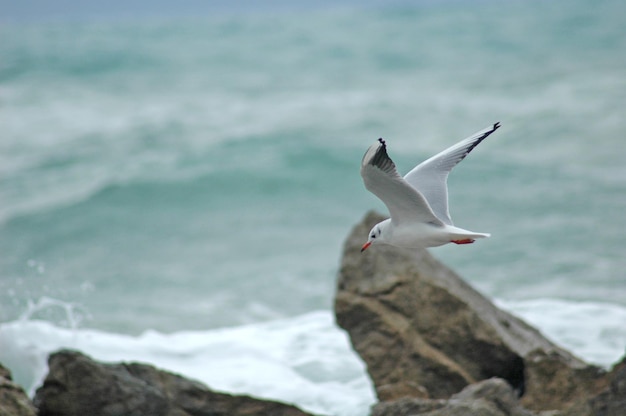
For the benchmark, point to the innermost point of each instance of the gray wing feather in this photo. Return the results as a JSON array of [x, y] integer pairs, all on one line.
[[430, 177], [405, 203]]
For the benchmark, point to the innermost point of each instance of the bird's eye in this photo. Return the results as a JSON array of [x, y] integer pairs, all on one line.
[[373, 236]]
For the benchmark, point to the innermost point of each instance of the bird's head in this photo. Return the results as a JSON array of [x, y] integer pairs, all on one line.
[[376, 235]]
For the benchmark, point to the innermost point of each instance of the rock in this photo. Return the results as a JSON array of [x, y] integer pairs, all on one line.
[[550, 376], [612, 400], [76, 386], [424, 333], [609, 402], [493, 397], [13, 399], [408, 406]]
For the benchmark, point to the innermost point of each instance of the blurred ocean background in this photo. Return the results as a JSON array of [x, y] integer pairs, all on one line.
[[176, 183]]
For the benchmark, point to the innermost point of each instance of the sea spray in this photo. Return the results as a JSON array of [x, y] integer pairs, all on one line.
[[304, 360]]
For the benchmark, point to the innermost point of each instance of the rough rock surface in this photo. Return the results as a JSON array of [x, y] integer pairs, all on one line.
[[13, 399], [424, 333], [77, 386], [609, 402], [493, 397]]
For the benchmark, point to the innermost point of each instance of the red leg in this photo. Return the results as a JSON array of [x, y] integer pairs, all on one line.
[[466, 241]]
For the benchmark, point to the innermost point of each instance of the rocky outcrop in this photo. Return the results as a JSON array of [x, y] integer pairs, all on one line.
[[77, 386], [13, 399], [495, 397], [424, 333]]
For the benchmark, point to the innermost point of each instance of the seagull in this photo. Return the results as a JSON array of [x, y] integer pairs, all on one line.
[[417, 203]]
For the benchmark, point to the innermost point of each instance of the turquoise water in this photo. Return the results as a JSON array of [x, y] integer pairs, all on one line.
[[194, 173]]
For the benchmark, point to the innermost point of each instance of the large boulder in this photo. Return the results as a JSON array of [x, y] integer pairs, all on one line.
[[77, 386], [424, 333], [13, 399]]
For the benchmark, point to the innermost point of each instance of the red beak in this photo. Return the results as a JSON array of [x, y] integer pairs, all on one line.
[[365, 246]]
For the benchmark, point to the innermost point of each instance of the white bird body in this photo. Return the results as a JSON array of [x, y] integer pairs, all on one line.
[[422, 234], [417, 203]]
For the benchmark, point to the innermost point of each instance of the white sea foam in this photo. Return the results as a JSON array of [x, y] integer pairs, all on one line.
[[304, 360]]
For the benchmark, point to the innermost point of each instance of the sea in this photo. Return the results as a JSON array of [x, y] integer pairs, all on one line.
[[176, 188]]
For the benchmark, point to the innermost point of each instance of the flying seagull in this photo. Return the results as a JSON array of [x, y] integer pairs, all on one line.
[[417, 203]]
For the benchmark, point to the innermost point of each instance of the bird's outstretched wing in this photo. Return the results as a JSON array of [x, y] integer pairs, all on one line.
[[405, 203], [430, 178]]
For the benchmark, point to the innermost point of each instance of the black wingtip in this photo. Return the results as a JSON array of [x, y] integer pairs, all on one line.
[[496, 125], [381, 159]]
